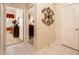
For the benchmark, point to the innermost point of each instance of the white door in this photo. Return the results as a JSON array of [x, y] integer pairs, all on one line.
[[69, 26], [76, 27]]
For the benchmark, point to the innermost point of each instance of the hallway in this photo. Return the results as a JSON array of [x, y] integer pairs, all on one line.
[[54, 49], [41, 30]]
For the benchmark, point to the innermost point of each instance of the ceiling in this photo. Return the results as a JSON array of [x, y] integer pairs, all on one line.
[[18, 5]]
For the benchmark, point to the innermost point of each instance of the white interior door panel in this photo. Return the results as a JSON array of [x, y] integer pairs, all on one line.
[[67, 20]]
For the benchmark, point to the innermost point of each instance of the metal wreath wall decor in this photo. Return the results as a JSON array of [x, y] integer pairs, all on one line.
[[48, 16]]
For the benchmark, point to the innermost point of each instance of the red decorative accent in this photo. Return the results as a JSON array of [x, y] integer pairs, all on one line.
[[9, 29], [10, 16]]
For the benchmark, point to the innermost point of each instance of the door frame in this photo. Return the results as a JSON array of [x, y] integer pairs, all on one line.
[[2, 48], [27, 24]]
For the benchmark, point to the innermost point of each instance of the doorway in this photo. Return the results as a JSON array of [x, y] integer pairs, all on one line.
[[14, 25], [31, 25], [9, 31]]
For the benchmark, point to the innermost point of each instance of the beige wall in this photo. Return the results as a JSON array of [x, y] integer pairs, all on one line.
[[45, 34], [57, 21]]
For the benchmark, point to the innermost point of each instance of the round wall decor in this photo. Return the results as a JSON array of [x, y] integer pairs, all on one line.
[[48, 16]]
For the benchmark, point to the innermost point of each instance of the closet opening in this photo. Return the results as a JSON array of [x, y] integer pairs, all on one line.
[[31, 17], [14, 25]]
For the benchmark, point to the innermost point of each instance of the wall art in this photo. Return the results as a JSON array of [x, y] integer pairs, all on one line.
[[48, 16]]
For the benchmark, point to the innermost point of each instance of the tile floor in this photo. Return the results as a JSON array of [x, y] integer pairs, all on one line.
[[53, 49], [31, 40], [11, 40]]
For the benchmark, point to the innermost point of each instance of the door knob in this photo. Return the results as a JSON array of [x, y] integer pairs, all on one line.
[[76, 29]]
